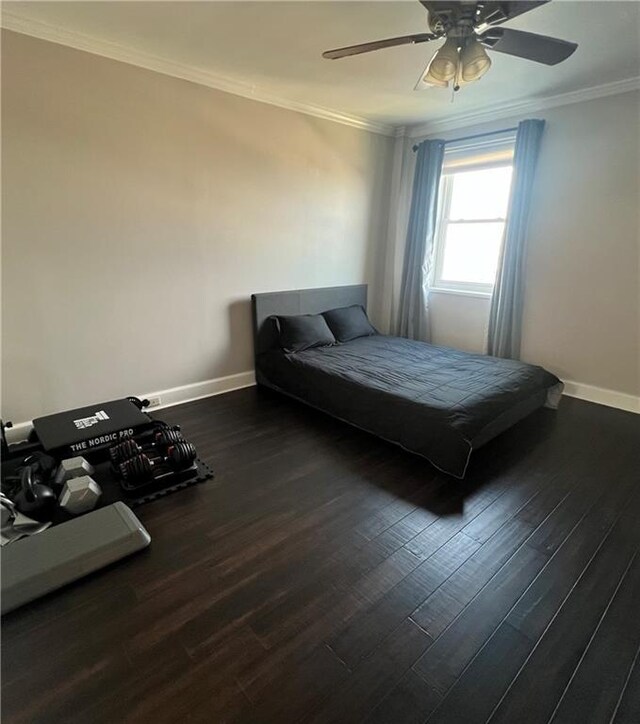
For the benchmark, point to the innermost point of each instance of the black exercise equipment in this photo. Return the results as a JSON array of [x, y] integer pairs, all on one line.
[[43, 466], [35, 499], [88, 434], [92, 429], [131, 448], [124, 451], [4, 447], [140, 404], [168, 437], [143, 467]]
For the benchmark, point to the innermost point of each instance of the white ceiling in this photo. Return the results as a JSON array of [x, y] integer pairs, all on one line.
[[276, 48]]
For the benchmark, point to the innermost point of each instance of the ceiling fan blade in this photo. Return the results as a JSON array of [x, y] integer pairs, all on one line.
[[495, 13], [539, 48], [377, 45]]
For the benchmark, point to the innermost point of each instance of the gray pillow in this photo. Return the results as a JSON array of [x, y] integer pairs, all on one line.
[[348, 323], [304, 331]]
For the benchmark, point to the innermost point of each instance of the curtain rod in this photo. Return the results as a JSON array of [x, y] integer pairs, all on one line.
[[475, 135]]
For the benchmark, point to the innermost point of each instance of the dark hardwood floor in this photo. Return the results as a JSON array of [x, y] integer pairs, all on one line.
[[326, 576]]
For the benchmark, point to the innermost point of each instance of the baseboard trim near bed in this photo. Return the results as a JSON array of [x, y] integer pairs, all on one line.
[[169, 397], [602, 396], [199, 390]]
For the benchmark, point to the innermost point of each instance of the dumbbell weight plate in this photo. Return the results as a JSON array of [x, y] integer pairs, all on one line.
[[169, 437], [124, 451], [137, 469], [181, 455]]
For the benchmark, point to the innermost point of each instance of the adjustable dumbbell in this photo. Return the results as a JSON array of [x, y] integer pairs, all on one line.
[[130, 448], [143, 467]]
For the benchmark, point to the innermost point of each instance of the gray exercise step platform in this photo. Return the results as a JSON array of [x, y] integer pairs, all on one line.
[[41, 563]]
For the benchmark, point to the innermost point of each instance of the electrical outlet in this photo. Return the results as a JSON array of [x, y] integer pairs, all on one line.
[[154, 401]]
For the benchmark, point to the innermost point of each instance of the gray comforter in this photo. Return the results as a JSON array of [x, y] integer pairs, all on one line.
[[437, 402]]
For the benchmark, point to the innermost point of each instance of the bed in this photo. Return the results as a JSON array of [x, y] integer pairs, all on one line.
[[434, 401]]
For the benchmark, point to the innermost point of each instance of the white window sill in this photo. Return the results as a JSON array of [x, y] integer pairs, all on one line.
[[460, 292]]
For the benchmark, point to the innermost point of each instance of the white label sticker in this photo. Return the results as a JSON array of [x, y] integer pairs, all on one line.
[[90, 421]]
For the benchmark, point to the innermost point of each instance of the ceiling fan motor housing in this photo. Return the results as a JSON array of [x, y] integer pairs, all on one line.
[[443, 20]]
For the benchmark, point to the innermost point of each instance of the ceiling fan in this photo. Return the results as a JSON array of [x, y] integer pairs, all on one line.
[[470, 28]]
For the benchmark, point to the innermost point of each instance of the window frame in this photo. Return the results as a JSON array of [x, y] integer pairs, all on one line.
[[466, 160]]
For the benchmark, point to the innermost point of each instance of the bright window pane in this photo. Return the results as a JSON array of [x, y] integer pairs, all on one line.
[[481, 194], [471, 252]]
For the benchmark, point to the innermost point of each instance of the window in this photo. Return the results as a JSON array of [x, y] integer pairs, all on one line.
[[474, 198]]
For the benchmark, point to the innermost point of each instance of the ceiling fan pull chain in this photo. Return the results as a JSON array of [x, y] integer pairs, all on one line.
[[457, 79]]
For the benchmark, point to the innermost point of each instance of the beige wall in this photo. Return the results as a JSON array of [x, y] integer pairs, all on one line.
[[141, 211], [582, 301], [460, 321]]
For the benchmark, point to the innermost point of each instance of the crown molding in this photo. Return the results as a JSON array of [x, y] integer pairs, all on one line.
[[517, 108], [114, 51]]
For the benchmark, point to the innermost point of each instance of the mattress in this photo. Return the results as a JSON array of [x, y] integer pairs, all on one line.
[[437, 402]]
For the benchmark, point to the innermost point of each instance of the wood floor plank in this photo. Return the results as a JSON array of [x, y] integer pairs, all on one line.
[[81, 677], [444, 605], [474, 626], [507, 650], [363, 634], [302, 690], [445, 661], [140, 681], [374, 678], [628, 707], [473, 697], [547, 592], [437, 611], [541, 681], [595, 688], [410, 702]]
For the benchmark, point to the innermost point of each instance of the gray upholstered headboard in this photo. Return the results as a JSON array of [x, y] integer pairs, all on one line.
[[299, 301]]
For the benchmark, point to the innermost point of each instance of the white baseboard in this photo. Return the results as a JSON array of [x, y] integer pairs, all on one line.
[[602, 396], [172, 396], [199, 390]]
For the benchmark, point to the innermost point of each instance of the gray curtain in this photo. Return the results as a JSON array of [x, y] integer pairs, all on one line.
[[505, 317], [413, 318]]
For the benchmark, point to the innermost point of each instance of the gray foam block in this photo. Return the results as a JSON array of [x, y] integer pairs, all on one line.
[[41, 563]]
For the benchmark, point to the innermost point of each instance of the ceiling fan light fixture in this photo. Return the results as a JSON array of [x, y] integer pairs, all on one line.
[[475, 61], [444, 64], [428, 80]]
